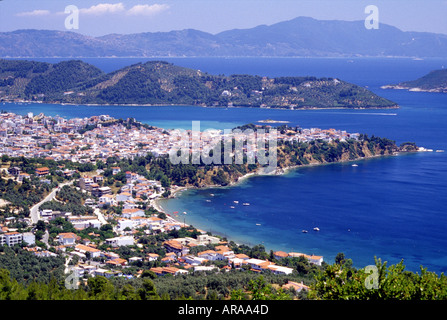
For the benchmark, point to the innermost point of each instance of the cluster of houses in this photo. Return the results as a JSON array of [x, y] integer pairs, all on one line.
[[178, 259], [37, 136], [60, 139], [11, 237], [136, 189], [181, 249]]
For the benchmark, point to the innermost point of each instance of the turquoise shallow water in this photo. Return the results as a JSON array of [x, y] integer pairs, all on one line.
[[393, 207]]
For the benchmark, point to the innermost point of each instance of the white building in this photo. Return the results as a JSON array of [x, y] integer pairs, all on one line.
[[130, 213], [211, 255], [280, 269], [13, 238], [206, 239], [318, 260], [85, 183], [123, 197], [204, 268], [67, 239], [125, 223], [94, 253], [152, 256], [192, 260], [94, 223], [108, 199], [29, 238], [121, 241]]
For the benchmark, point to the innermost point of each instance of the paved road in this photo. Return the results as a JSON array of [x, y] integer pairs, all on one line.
[[100, 216], [46, 237], [35, 216]]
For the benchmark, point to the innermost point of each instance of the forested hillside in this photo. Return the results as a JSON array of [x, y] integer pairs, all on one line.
[[162, 83]]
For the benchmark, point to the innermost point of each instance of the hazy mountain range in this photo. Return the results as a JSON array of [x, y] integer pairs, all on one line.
[[301, 36]]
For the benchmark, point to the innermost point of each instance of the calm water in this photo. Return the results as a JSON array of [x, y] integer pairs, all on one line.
[[393, 208]]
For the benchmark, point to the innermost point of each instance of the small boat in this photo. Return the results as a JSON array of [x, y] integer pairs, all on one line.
[[439, 150], [208, 200], [316, 229], [246, 204], [355, 165], [175, 212], [258, 224], [235, 201], [304, 231], [232, 207], [212, 194], [184, 212]]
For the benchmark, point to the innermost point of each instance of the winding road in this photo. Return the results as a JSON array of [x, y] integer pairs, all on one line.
[[34, 211]]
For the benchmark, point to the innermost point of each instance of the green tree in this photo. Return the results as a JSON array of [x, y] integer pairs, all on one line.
[[238, 295], [261, 290], [338, 282], [100, 288], [148, 291], [10, 289], [40, 225]]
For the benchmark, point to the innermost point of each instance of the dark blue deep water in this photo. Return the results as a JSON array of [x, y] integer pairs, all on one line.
[[393, 208]]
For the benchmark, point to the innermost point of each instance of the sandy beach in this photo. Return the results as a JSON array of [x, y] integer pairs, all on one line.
[[157, 206]]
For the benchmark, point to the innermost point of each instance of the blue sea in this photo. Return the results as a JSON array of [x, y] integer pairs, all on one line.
[[393, 208]]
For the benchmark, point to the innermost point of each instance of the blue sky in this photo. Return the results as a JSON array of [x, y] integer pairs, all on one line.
[[100, 17]]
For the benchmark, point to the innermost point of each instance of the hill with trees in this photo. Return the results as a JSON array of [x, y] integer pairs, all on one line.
[[162, 83], [435, 81]]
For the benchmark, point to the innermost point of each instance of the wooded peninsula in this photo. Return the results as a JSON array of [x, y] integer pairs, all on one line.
[[162, 83]]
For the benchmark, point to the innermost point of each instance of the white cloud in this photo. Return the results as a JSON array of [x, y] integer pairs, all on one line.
[[33, 13], [109, 8], [147, 10], [103, 8]]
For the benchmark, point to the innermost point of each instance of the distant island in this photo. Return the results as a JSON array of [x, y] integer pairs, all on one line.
[[162, 83], [299, 37], [435, 81]]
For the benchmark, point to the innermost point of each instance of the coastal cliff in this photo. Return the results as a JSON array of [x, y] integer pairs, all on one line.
[[290, 155]]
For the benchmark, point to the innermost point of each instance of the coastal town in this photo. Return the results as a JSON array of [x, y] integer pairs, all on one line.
[[122, 215], [99, 137]]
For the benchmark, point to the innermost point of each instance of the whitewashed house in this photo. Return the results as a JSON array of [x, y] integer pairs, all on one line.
[[121, 241], [123, 197], [193, 260], [67, 239], [131, 213], [125, 223]]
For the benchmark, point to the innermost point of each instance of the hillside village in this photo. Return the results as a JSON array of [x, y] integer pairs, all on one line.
[[176, 256], [119, 233]]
